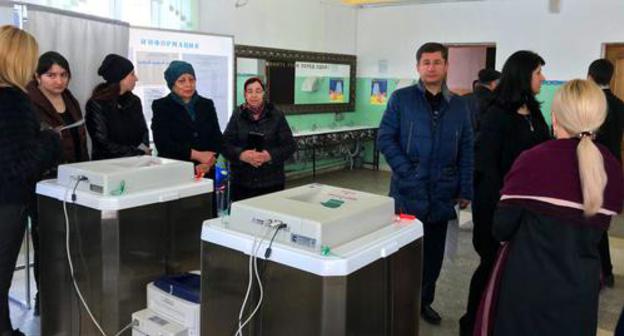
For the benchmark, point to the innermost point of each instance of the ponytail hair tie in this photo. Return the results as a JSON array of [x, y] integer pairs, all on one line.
[[586, 134]]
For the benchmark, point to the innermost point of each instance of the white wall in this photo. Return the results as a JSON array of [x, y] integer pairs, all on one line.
[[309, 25], [568, 41]]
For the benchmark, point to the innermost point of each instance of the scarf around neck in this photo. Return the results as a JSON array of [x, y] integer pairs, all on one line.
[[256, 112], [189, 107]]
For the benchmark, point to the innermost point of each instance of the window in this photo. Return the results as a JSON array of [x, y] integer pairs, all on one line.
[[171, 14]]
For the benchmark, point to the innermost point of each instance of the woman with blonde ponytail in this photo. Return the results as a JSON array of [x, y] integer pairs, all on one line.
[[557, 201], [579, 109]]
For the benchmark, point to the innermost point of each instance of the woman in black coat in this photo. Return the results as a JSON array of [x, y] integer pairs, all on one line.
[[557, 201], [114, 115], [26, 153], [512, 124], [185, 125], [258, 141]]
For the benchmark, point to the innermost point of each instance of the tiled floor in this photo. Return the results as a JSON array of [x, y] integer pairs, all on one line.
[[453, 284]]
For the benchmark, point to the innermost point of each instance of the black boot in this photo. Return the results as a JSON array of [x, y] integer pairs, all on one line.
[[36, 310], [609, 281], [430, 315]]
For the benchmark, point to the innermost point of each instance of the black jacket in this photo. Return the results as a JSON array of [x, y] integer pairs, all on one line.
[[478, 102], [503, 135], [550, 278], [26, 151], [48, 115], [278, 141], [116, 127], [175, 133], [610, 133], [559, 265]]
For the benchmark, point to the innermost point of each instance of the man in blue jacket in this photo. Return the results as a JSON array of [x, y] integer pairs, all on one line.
[[426, 137]]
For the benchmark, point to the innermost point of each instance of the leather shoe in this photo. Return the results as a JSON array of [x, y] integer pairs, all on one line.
[[430, 315], [36, 310], [609, 281]]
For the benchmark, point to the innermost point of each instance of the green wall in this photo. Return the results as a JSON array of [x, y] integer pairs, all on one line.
[[546, 96], [368, 114]]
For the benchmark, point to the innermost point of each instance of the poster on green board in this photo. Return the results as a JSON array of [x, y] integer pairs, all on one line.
[[321, 83]]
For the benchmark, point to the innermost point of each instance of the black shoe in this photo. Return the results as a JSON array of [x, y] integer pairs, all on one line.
[[430, 315], [36, 310], [464, 328], [15, 332], [609, 281]]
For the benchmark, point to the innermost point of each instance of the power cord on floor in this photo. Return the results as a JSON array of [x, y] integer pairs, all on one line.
[[71, 264]]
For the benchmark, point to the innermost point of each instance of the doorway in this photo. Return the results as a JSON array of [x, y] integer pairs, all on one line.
[[614, 52], [465, 61]]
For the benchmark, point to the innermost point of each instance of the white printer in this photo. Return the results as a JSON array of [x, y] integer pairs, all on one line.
[[148, 323], [173, 307]]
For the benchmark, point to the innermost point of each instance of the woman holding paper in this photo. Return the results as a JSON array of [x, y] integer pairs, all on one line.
[[57, 107], [114, 115], [258, 141], [185, 124], [26, 152]]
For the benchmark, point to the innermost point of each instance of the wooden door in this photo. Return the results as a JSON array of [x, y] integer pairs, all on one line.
[[615, 54]]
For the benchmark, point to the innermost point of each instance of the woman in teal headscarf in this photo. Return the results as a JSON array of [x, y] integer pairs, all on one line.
[[184, 124]]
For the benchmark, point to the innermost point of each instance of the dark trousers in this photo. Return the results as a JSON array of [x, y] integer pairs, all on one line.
[[12, 228], [619, 329], [33, 213], [239, 192], [605, 255], [433, 256], [487, 248]]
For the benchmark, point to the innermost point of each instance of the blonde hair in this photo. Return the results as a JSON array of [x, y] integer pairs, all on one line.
[[18, 57], [580, 108]]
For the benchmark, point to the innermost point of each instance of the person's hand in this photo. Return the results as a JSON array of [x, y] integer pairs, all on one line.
[[265, 155], [146, 150], [202, 169], [251, 157], [206, 157], [258, 159], [261, 158], [463, 203], [211, 161]]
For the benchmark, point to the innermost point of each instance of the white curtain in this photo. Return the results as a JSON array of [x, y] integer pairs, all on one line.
[[6, 14], [83, 40]]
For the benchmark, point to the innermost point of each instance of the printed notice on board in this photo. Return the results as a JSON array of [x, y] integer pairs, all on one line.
[[211, 56]]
